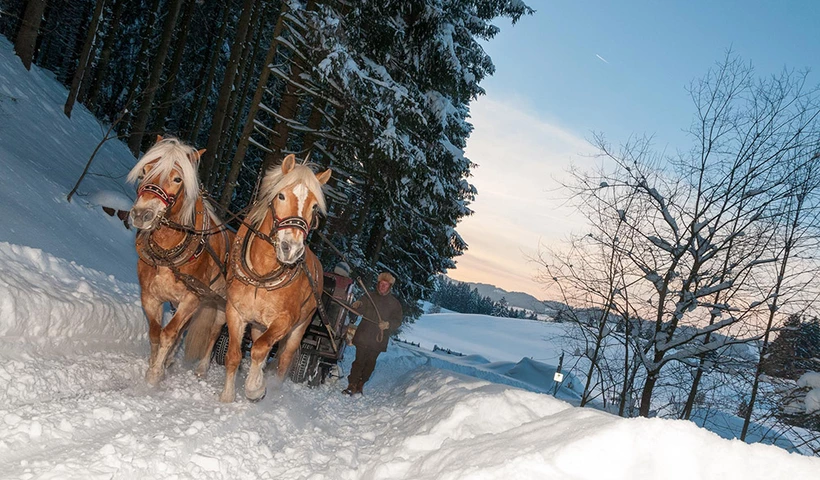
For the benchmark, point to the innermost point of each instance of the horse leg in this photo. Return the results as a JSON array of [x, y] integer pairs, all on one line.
[[199, 331], [169, 336], [236, 330], [255, 381], [169, 359], [216, 329], [153, 311], [287, 348]]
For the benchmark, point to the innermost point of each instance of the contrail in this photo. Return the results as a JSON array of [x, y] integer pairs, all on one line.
[[601, 58]]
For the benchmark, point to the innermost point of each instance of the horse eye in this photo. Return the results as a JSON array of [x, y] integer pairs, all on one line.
[[281, 196], [177, 180]]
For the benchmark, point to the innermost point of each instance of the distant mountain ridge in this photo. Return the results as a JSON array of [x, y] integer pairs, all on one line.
[[515, 299]]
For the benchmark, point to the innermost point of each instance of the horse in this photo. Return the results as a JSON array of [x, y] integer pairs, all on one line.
[[274, 279], [182, 247]]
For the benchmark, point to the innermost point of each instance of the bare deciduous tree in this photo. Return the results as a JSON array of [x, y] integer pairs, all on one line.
[[696, 228]]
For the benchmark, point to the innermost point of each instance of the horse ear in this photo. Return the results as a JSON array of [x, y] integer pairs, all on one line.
[[194, 157], [288, 163], [324, 176], [159, 138]]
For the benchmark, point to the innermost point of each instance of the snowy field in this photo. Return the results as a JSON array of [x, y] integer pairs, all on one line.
[[73, 352]]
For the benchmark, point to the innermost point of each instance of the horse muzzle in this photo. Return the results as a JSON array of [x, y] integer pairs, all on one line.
[[144, 218], [289, 251]]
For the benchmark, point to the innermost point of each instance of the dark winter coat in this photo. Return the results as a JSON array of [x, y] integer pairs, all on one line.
[[367, 332]]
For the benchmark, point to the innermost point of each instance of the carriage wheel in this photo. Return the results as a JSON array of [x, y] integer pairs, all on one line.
[[220, 347], [307, 370]]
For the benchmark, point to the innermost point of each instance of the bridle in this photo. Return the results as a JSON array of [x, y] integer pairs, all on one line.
[[157, 191], [285, 274], [297, 222]]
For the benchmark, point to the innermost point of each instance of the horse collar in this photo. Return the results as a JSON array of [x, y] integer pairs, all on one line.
[[278, 278], [178, 255]]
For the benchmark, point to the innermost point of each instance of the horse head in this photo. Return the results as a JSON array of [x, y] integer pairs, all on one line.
[[293, 196], [167, 184]]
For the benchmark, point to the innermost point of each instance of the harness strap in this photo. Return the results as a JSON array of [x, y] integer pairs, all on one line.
[[320, 307], [177, 256]]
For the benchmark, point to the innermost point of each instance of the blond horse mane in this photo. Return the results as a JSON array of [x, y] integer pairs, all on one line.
[[275, 181], [170, 153]]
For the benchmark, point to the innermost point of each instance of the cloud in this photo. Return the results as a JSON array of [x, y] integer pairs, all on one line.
[[521, 160]]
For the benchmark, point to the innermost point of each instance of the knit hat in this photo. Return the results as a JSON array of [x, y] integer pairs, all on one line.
[[387, 278], [343, 269]]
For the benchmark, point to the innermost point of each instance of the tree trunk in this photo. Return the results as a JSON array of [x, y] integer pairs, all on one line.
[[247, 130], [105, 56], [314, 124], [144, 55], [82, 64], [378, 243], [237, 100], [593, 361], [287, 108], [649, 385], [209, 159], [747, 419], [171, 79], [693, 392], [29, 29], [201, 102], [140, 124]]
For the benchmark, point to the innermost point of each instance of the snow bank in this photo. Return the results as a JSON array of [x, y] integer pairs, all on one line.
[[49, 305]]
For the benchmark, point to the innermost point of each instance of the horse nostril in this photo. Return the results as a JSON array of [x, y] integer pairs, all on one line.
[[285, 247], [147, 216]]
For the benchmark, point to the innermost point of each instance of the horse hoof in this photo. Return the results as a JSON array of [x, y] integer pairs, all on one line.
[[254, 398], [152, 378], [226, 398]]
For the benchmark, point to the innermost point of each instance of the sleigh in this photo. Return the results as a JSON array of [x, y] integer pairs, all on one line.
[[319, 351]]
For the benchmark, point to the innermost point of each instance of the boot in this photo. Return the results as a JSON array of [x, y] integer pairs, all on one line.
[[351, 387]]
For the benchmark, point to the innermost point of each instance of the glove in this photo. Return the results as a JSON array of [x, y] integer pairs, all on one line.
[[349, 333], [357, 305], [384, 325]]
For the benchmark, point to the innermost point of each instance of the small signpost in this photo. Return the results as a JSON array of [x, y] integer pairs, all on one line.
[[558, 377]]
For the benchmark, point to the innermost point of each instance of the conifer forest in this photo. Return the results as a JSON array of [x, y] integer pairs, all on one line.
[[378, 91]]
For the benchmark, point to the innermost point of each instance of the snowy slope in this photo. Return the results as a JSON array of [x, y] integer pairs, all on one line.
[[73, 352]]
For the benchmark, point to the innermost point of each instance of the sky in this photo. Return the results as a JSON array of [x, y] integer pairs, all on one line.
[[74, 350], [617, 68]]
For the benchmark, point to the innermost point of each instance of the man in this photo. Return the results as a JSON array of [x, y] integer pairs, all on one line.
[[381, 317]]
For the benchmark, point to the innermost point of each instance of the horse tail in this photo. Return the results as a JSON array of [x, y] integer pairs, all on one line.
[[198, 338]]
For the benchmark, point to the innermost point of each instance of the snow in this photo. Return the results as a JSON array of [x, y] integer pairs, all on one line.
[[812, 400], [73, 352]]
